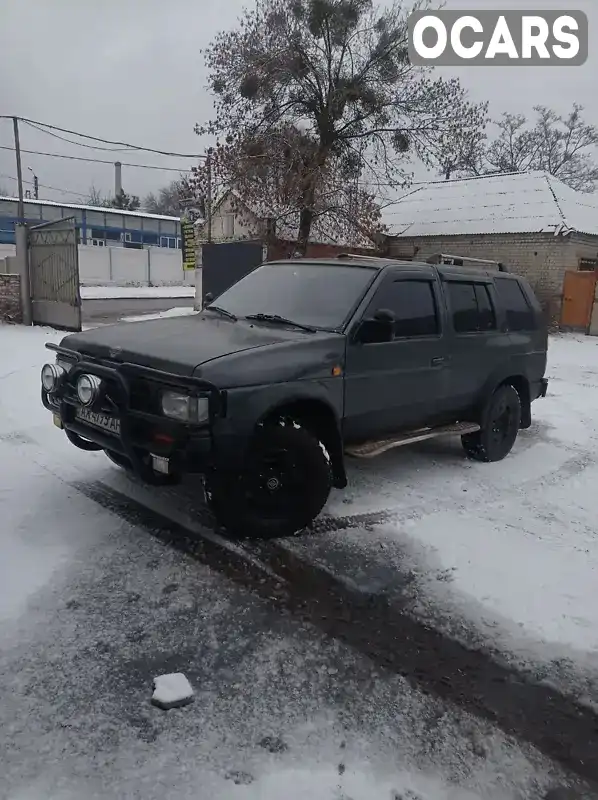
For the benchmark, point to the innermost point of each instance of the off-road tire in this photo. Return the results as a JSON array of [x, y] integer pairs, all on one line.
[[240, 501], [500, 422]]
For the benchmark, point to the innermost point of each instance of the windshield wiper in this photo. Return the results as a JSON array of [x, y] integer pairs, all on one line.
[[281, 320], [222, 311]]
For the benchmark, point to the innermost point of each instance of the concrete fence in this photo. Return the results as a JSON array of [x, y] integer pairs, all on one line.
[[120, 266]]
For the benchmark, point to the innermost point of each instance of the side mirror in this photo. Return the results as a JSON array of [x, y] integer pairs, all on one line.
[[385, 316], [377, 329], [208, 298]]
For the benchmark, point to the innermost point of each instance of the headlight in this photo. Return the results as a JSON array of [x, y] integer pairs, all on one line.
[[51, 374], [184, 408], [88, 389]]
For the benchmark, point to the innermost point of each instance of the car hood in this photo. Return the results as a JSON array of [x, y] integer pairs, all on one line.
[[182, 344]]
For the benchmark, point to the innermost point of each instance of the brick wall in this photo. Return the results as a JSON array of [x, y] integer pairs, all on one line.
[[285, 249], [542, 258], [10, 298]]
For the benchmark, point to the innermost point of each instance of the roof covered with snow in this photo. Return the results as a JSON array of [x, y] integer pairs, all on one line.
[[101, 209], [519, 202]]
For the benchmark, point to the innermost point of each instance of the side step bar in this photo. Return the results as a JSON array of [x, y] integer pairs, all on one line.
[[371, 449]]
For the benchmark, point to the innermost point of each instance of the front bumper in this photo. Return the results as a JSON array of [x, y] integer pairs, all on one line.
[[188, 447]]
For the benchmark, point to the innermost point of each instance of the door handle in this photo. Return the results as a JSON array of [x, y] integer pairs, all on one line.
[[438, 360]]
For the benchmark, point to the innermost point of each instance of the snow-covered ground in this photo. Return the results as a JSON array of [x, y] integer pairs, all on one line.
[[177, 311], [134, 292], [508, 549], [94, 605]]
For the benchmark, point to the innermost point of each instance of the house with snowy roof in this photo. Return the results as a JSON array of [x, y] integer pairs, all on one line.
[[531, 222]]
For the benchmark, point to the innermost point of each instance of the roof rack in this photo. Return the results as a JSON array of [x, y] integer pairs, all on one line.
[[360, 257], [446, 259]]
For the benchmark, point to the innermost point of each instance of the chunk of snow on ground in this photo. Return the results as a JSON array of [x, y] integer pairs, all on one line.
[[172, 690], [177, 311], [134, 292]]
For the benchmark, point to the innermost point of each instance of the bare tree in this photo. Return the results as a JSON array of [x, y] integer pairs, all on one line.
[[178, 197], [95, 197], [325, 92], [128, 202], [555, 144]]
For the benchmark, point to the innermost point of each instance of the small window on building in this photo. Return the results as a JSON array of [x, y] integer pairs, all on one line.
[[168, 241], [413, 305], [228, 226], [125, 237], [518, 312], [471, 307], [98, 242]]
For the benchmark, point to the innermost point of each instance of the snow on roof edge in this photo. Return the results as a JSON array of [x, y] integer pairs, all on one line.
[[101, 209]]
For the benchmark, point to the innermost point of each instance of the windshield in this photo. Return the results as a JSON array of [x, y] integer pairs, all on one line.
[[317, 295]]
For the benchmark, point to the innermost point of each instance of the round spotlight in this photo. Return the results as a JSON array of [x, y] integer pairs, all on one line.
[[51, 374], [88, 389]]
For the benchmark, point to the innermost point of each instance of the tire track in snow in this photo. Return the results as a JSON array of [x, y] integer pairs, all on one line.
[[379, 628]]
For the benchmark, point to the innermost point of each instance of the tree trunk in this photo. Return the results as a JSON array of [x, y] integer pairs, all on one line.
[[306, 216]]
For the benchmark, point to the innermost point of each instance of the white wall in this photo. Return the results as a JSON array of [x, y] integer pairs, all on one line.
[[123, 266], [7, 250], [245, 224]]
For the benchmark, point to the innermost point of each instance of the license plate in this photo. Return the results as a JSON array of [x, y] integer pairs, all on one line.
[[103, 421]]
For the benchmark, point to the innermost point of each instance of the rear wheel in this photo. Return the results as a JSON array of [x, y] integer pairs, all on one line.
[[284, 485], [500, 425]]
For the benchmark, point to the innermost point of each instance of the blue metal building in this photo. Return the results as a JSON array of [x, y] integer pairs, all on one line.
[[102, 227]]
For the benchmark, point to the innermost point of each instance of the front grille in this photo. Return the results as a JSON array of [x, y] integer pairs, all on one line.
[[145, 396]]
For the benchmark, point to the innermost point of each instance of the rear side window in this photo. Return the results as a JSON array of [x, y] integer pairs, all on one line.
[[518, 312], [471, 307]]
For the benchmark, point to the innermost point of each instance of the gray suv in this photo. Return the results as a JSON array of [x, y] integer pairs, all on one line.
[[302, 363]]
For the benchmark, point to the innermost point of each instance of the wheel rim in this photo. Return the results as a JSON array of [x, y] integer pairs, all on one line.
[[275, 484], [504, 423]]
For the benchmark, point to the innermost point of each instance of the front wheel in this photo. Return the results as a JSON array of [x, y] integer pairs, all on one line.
[[283, 486], [500, 425]]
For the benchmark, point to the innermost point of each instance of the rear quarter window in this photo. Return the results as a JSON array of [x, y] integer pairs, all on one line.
[[519, 314]]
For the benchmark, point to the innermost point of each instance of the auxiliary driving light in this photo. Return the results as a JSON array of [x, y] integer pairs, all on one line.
[[88, 389], [51, 374]]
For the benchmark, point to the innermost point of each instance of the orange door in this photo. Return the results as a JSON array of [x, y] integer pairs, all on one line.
[[578, 298]]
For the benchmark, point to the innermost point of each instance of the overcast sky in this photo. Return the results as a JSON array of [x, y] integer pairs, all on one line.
[[132, 70]]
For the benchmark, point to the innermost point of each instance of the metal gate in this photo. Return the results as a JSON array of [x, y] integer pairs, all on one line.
[[225, 263], [54, 275]]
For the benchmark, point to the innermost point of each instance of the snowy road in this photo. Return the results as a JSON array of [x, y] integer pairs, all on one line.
[[338, 663]]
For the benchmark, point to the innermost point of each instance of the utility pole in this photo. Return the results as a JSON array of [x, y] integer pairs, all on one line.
[[35, 184], [209, 195], [21, 239], [21, 206]]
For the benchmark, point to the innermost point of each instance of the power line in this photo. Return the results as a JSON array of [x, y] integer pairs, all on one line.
[[97, 160], [43, 185], [103, 141], [78, 144]]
